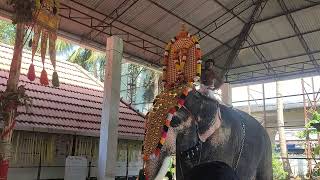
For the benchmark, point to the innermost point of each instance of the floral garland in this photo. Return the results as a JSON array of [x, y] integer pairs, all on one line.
[[179, 65], [11, 100], [165, 128]]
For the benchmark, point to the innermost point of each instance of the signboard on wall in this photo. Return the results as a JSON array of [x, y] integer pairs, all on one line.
[[76, 168]]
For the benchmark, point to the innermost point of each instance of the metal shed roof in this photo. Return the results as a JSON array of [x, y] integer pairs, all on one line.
[[282, 42]]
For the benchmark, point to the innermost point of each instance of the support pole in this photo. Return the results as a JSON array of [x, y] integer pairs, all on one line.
[[308, 145], [314, 103], [127, 161], [264, 106], [249, 105], [9, 120], [282, 137], [226, 93], [110, 110]]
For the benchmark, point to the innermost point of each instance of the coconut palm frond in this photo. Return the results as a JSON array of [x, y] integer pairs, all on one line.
[[63, 47]]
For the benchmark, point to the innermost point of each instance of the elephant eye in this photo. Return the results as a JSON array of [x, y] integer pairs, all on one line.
[[181, 116]]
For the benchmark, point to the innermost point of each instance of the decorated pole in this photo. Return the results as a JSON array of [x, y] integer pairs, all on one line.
[[10, 109], [42, 14]]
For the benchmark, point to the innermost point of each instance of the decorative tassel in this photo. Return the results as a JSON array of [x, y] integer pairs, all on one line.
[[52, 48], [52, 53], [55, 79], [31, 73], [44, 78], [33, 44], [44, 40]]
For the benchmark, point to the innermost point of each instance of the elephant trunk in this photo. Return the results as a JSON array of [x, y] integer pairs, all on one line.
[[157, 168]]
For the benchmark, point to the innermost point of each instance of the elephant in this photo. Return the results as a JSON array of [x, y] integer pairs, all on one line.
[[204, 130]]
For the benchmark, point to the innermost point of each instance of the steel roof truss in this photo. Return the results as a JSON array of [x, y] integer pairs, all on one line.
[[297, 31]]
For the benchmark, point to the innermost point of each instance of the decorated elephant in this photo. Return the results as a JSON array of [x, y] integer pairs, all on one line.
[[198, 130], [195, 126]]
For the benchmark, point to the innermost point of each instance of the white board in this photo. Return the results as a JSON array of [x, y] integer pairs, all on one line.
[[76, 168]]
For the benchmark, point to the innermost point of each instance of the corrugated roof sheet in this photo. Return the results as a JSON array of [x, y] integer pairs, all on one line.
[[74, 107], [145, 19]]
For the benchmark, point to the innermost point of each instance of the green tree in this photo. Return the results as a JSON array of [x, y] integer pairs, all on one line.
[[277, 166], [7, 33], [148, 94]]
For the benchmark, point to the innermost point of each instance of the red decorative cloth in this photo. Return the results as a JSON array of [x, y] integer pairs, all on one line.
[[4, 166]]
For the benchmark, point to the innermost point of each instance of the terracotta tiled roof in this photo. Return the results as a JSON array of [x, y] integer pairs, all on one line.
[[74, 107]]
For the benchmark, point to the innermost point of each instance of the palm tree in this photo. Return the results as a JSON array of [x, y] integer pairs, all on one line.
[[90, 60]]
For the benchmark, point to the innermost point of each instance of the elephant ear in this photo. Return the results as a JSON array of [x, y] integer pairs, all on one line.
[[211, 129], [156, 120]]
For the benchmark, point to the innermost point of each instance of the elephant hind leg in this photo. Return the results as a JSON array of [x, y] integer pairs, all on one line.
[[264, 172]]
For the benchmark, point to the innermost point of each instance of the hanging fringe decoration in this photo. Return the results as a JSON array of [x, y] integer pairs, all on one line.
[[44, 76], [31, 73], [52, 52], [46, 22], [55, 79]]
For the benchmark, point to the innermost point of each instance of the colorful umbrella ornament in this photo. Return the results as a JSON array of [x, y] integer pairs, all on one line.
[[45, 25]]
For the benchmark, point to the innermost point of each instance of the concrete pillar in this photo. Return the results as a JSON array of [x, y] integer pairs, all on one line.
[[110, 110], [226, 94]]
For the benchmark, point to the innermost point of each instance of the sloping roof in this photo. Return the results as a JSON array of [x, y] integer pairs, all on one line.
[[283, 44], [75, 107]]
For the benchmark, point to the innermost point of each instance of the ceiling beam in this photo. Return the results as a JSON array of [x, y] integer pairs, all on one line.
[[229, 11], [242, 36], [278, 59], [287, 12], [187, 22], [106, 17], [89, 21], [252, 76], [300, 37], [263, 20], [217, 21], [282, 38], [250, 41], [118, 12], [285, 67]]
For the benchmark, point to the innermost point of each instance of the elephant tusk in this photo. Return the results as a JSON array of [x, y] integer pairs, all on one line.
[[164, 168]]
